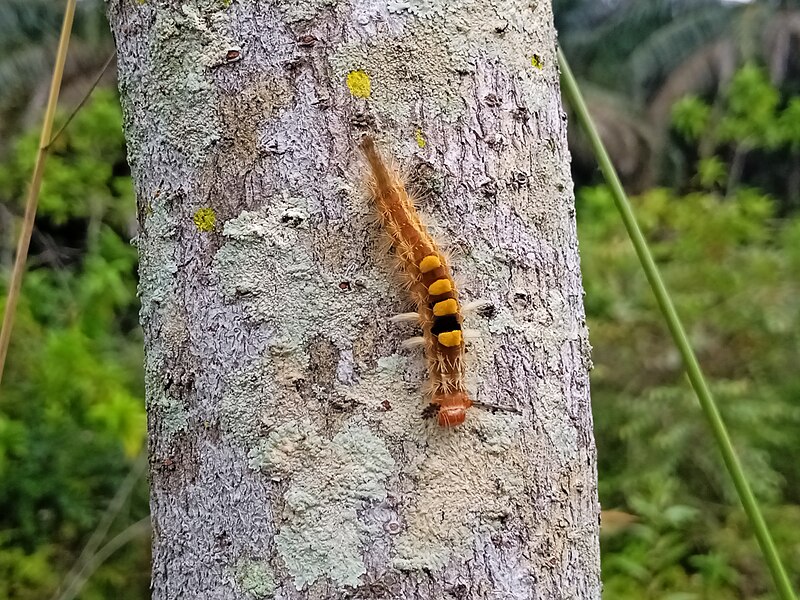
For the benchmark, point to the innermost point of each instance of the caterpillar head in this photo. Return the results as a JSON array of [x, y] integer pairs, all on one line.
[[452, 408]]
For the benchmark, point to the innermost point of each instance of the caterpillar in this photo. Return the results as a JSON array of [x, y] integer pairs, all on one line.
[[431, 286]]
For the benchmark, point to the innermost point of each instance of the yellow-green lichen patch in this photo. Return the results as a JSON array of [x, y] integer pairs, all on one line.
[[359, 84], [420, 139], [322, 536], [256, 578], [205, 219], [537, 62]]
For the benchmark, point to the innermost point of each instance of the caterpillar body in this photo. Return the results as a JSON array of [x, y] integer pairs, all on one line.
[[431, 285]]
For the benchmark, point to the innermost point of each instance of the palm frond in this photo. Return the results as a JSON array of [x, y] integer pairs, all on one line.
[[671, 45]]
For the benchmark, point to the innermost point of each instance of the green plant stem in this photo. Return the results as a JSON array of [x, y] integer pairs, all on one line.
[[94, 562], [84, 100], [693, 370], [115, 506], [33, 190]]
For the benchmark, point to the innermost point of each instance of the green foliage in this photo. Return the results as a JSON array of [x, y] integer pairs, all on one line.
[[71, 414], [690, 117], [84, 179], [752, 102], [754, 127], [731, 266]]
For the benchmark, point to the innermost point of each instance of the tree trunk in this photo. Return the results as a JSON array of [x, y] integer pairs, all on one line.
[[289, 458]]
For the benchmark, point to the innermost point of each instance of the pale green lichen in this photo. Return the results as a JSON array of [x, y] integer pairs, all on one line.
[[157, 292], [256, 578], [172, 413], [245, 114], [322, 536], [185, 43], [464, 477], [301, 300], [156, 259]]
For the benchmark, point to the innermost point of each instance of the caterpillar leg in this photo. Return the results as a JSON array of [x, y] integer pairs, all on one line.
[[409, 317], [478, 306], [496, 408], [415, 342], [470, 335]]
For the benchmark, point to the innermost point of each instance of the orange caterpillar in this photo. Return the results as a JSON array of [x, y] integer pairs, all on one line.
[[431, 286]]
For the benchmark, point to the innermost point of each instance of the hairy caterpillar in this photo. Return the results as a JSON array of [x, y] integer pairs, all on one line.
[[431, 286]]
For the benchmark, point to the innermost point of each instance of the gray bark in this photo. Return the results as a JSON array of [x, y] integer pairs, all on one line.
[[288, 455]]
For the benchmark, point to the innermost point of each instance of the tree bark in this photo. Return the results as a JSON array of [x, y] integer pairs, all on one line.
[[288, 455]]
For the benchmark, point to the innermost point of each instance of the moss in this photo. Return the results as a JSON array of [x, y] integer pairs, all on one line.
[[536, 61], [205, 219]]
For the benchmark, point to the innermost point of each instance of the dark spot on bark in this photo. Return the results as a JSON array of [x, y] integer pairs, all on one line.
[[492, 100], [222, 539], [293, 64], [177, 463], [233, 55], [489, 188], [344, 286], [293, 220], [521, 113], [488, 311], [424, 182], [519, 179], [362, 120], [458, 591], [307, 41]]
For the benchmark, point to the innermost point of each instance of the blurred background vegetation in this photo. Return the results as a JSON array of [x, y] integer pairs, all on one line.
[[699, 103]]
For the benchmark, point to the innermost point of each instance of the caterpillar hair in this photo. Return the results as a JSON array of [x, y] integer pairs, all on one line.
[[431, 285]]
